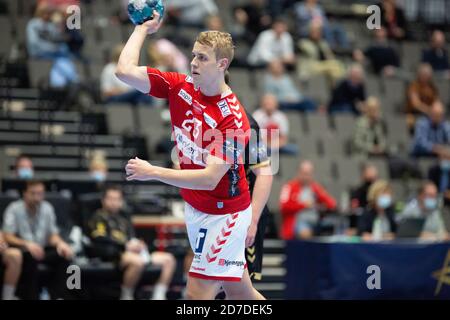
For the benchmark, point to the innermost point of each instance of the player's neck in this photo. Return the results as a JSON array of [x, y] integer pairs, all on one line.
[[215, 89]]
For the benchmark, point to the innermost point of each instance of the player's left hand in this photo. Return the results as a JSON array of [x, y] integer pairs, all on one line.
[[138, 169], [251, 234]]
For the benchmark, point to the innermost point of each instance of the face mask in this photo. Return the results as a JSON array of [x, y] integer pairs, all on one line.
[[430, 203], [99, 176], [445, 165], [384, 201], [25, 173]]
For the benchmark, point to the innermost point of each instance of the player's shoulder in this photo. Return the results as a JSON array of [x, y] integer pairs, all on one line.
[[230, 111]]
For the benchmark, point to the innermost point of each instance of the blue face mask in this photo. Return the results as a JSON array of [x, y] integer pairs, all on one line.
[[445, 165], [384, 201], [430, 203], [25, 173], [99, 176]]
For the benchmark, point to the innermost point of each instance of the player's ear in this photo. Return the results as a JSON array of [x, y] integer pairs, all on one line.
[[223, 64]]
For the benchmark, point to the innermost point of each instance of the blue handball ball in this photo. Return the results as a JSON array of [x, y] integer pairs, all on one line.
[[140, 11]]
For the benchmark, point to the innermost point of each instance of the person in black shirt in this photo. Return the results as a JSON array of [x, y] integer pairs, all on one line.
[[350, 93], [112, 236]]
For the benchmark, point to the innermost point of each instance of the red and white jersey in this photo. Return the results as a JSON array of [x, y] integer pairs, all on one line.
[[204, 125]]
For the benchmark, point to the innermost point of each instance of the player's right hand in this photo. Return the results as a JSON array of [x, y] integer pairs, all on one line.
[[151, 26]]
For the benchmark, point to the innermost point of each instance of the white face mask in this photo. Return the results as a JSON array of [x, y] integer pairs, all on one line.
[[99, 176], [384, 201], [25, 173]]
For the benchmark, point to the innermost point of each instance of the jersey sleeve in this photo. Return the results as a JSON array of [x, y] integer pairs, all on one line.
[[162, 82]]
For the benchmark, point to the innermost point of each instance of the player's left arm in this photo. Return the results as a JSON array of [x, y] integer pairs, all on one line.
[[200, 179], [260, 196]]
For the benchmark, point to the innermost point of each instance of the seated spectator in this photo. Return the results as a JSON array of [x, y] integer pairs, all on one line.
[[369, 137], [301, 200], [278, 83], [350, 94], [251, 19], [274, 124], [112, 236], [437, 55], [317, 57], [30, 225], [439, 174], [115, 91], [45, 38], [310, 11], [358, 196], [377, 222], [421, 94], [432, 134], [98, 168], [190, 13], [393, 19], [271, 44], [165, 56], [381, 54], [24, 168], [12, 261], [425, 205]]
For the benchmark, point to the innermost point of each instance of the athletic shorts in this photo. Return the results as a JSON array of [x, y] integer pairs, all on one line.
[[218, 243]]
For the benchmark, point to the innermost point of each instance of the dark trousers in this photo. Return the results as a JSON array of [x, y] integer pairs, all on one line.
[[54, 278]]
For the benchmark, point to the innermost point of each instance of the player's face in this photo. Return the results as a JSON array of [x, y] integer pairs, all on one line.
[[205, 68]]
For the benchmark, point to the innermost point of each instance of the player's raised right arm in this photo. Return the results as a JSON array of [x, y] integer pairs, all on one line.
[[128, 69]]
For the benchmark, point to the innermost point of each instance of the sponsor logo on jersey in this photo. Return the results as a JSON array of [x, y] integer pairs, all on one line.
[[185, 96], [209, 120], [224, 108], [189, 148]]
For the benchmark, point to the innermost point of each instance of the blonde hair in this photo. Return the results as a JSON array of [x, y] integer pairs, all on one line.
[[377, 188], [221, 42]]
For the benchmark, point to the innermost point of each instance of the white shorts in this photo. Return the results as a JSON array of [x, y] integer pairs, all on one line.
[[218, 243]]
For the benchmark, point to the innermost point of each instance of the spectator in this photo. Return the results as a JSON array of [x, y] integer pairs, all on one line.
[[350, 94], [98, 168], [214, 22], [377, 222], [275, 125], [30, 224], [440, 175], [278, 83], [113, 240], [421, 94], [369, 137], [432, 134], [275, 43], [301, 200], [382, 56], [165, 56], [12, 260], [191, 13], [426, 206], [437, 54], [24, 168], [358, 196], [45, 38], [393, 19], [308, 12], [251, 19], [317, 57], [115, 91]]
